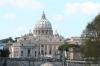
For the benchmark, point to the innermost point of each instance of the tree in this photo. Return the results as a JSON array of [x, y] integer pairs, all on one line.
[[91, 40], [62, 48], [91, 50], [65, 47], [6, 40], [4, 53]]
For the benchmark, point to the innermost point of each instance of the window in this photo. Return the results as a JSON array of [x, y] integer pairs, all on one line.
[[45, 53], [42, 45], [49, 51], [42, 31], [42, 52], [46, 31], [21, 53], [38, 53], [35, 44], [59, 39], [35, 53], [22, 44], [28, 54], [24, 38]]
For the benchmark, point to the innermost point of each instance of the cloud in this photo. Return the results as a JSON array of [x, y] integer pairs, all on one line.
[[26, 4], [2, 3], [58, 18], [85, 7], [72, 7], [9, 16], [34, 4], [90, 7]]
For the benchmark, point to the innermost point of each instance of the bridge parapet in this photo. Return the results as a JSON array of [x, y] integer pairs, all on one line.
[[42, 61]]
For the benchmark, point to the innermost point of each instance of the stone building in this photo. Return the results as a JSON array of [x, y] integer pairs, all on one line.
[[39, 43]]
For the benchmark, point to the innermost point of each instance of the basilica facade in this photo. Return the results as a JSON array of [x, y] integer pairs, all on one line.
[[41, 42]]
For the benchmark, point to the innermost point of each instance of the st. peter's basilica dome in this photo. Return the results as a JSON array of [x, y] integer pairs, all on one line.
[[43, 27]]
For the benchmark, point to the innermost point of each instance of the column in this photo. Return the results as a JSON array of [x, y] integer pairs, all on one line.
[[47, 49], [40, 50], [52, 49]]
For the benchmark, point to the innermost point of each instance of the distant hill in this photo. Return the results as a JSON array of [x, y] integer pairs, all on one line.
[[6, 40], [2, 45]]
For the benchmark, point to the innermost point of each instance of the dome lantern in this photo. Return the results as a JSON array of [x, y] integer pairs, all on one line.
[[43, 15]]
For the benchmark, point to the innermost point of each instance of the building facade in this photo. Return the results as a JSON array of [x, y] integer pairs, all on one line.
[[39, 43]]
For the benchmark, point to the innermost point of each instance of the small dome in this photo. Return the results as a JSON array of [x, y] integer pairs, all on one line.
[[43, 23]]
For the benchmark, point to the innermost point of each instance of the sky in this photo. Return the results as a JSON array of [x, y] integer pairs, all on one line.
[[68, 17]]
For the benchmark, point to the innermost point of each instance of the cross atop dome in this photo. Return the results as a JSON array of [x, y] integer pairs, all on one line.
[[43, 15]]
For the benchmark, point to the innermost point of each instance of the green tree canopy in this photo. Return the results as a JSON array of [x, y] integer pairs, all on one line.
[[91, 49], [91, 42], [4, 53], [63, 47], [95, 24], [6, 40], [66, 46]]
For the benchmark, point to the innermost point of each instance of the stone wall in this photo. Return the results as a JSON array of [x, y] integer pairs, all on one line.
[[42, 62]]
